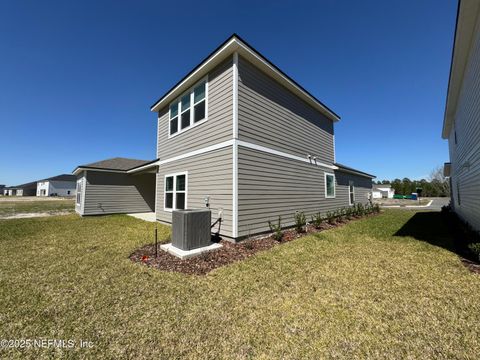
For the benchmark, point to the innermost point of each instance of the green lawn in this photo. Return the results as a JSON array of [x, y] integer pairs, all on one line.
[[8, 208], [382, 287]]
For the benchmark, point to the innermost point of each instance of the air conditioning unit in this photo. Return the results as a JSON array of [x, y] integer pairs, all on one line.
[[191, 228]]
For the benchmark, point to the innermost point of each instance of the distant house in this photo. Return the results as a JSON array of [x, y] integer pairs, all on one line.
[[461, 124], [27, 189], [9, 191], [2, 188], [383, 191], [240, 136], [60, 185]]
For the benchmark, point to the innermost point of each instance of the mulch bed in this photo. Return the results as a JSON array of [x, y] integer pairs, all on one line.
[[470, 265], [227, 254]]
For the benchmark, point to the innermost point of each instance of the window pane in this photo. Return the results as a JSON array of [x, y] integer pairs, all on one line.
[[181, 183], [185, 119], [199, 113], [174, 109], [180, 200], [185, 102], [352, 200], [174, 125], [169, 183], [199, 93], [330, 185], [168, 200]]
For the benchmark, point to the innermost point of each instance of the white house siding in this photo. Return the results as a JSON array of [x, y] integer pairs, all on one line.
[[465, 153], [209, 174]]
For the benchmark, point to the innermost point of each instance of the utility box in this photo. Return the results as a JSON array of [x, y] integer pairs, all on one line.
[[191, 228]]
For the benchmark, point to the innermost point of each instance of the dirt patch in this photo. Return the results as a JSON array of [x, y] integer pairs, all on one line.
[[227, 254], [33, 198], [34, 215]]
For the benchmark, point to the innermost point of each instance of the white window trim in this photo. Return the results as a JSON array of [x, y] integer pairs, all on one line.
[[174, 204], [78, 195], [192, 104], [334, 187], [353, 191]]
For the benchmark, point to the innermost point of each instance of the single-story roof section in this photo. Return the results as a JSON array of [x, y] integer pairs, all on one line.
[[236, 44], [25, 186], [63, 177], [382, 186], [350, 170], [117, 164]]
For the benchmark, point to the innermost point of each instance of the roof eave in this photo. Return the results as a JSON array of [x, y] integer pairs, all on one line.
[[235, 43], [467, 17]]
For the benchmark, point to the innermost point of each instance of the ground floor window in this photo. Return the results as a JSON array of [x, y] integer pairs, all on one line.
[[175, 194], [329, 185], [351, 193]]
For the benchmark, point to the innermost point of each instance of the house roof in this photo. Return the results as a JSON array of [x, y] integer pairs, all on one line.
[[467, 15], [25, 186], [236, 44], [345, 168], [381, 186], [62, 177], [117, 164]]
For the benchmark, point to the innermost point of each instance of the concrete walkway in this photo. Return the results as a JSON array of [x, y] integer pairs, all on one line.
[[150, 216]]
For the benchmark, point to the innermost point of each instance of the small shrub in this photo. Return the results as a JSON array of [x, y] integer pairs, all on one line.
[[300, 221], [475, 249], [376, 208], [276, 229], [331, 218], [360, 209], [349, 213], [368, 209], [317, 220]]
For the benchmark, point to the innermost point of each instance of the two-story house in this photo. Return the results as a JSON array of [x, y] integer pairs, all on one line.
[[240, 136], [461, 124]]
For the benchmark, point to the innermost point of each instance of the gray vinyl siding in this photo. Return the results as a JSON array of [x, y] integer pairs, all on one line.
[[272, 116], [208, 174], [270, 186], [216, 129], [465, 155], [116, 193]]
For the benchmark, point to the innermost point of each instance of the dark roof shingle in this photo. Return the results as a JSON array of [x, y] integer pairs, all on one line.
[[62, 177], [117, 163]]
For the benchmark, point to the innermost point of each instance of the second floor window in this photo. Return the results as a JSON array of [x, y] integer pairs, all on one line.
[[189, 109]]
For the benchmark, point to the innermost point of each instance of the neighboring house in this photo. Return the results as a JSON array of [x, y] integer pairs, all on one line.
[[240, 136], [27, 189], [9, 191], [110, 187], [2, 188], [383, 191], [461, 124], [60, 185]]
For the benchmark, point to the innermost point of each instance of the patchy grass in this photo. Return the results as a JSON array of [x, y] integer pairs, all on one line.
[[8, 208], [381, 287], [402, 202]]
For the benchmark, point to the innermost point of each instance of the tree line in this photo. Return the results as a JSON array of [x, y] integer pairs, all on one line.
[[437, 185]]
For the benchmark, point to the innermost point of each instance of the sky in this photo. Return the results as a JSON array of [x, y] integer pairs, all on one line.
[[77, 78]]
